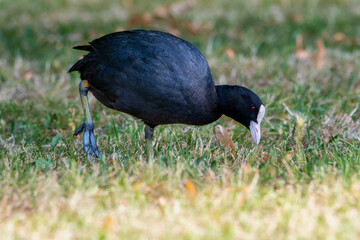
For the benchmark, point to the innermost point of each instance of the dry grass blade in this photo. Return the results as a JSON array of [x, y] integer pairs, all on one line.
[[319, 57], [300, 53], [230, 53], [225, 140]]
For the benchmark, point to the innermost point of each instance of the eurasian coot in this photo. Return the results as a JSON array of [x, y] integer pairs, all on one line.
[[160, 79]]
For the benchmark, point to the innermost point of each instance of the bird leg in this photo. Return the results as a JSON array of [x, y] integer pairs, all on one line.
[[149, 132], [88, 126]]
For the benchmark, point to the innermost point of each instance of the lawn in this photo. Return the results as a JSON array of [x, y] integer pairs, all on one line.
[[302, 182]]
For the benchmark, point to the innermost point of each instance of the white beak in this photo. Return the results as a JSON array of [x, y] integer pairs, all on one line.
[[255, 127], [255, 131]]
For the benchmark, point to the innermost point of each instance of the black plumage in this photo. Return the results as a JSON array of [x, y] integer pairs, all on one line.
[[160, 79]]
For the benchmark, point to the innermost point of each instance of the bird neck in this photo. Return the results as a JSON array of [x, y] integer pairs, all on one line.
[[223, 98], [228, 97]]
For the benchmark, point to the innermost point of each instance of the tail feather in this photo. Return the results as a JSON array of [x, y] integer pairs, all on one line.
[[82, 62], [77, 66], [88, 48], [87, 64]]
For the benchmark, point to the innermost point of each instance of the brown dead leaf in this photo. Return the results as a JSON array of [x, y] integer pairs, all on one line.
[[225, 140], [230, 53], [174, 9], [191, 28], [190, 188], [169, 13], [180, 7], [143, 19], [173, 26], [28, 75], [110, 160], [339, 37], [162, 12], [319, 57], [197, 27], [174, 31], [300, 53]]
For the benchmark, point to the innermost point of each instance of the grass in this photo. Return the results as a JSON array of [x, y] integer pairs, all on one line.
[[301, 182]]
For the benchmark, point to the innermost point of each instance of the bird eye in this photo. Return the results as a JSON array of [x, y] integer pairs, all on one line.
[[253, 109]]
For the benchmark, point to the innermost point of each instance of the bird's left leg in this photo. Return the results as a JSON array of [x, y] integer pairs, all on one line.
[[88, 126], [149, 133]]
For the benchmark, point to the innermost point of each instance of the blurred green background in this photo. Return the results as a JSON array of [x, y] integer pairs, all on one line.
[[46, 29]]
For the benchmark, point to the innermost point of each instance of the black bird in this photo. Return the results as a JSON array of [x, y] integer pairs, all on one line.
[[160, 79]]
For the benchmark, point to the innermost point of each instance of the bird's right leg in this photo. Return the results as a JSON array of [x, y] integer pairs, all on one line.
[[87, 127], [149, 133]]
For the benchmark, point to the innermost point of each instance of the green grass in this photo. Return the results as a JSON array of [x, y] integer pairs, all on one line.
[[301, 182]]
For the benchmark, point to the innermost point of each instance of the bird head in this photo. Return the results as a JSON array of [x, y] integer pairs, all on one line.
[[244, 106]]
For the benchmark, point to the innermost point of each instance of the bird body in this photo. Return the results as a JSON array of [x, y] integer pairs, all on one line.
[[161, 79], [153, 76]]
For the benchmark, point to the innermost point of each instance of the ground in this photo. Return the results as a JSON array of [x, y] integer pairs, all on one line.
[[302, 182]]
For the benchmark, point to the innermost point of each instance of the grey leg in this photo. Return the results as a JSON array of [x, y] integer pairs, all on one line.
[[88, 126], [149, 132]]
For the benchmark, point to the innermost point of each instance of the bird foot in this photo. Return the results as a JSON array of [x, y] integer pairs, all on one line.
[[89, 141]]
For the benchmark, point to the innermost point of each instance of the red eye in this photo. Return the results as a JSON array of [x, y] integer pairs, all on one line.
[[253, 109]]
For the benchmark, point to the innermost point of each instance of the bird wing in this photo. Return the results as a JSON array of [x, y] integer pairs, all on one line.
[[153, 69]]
